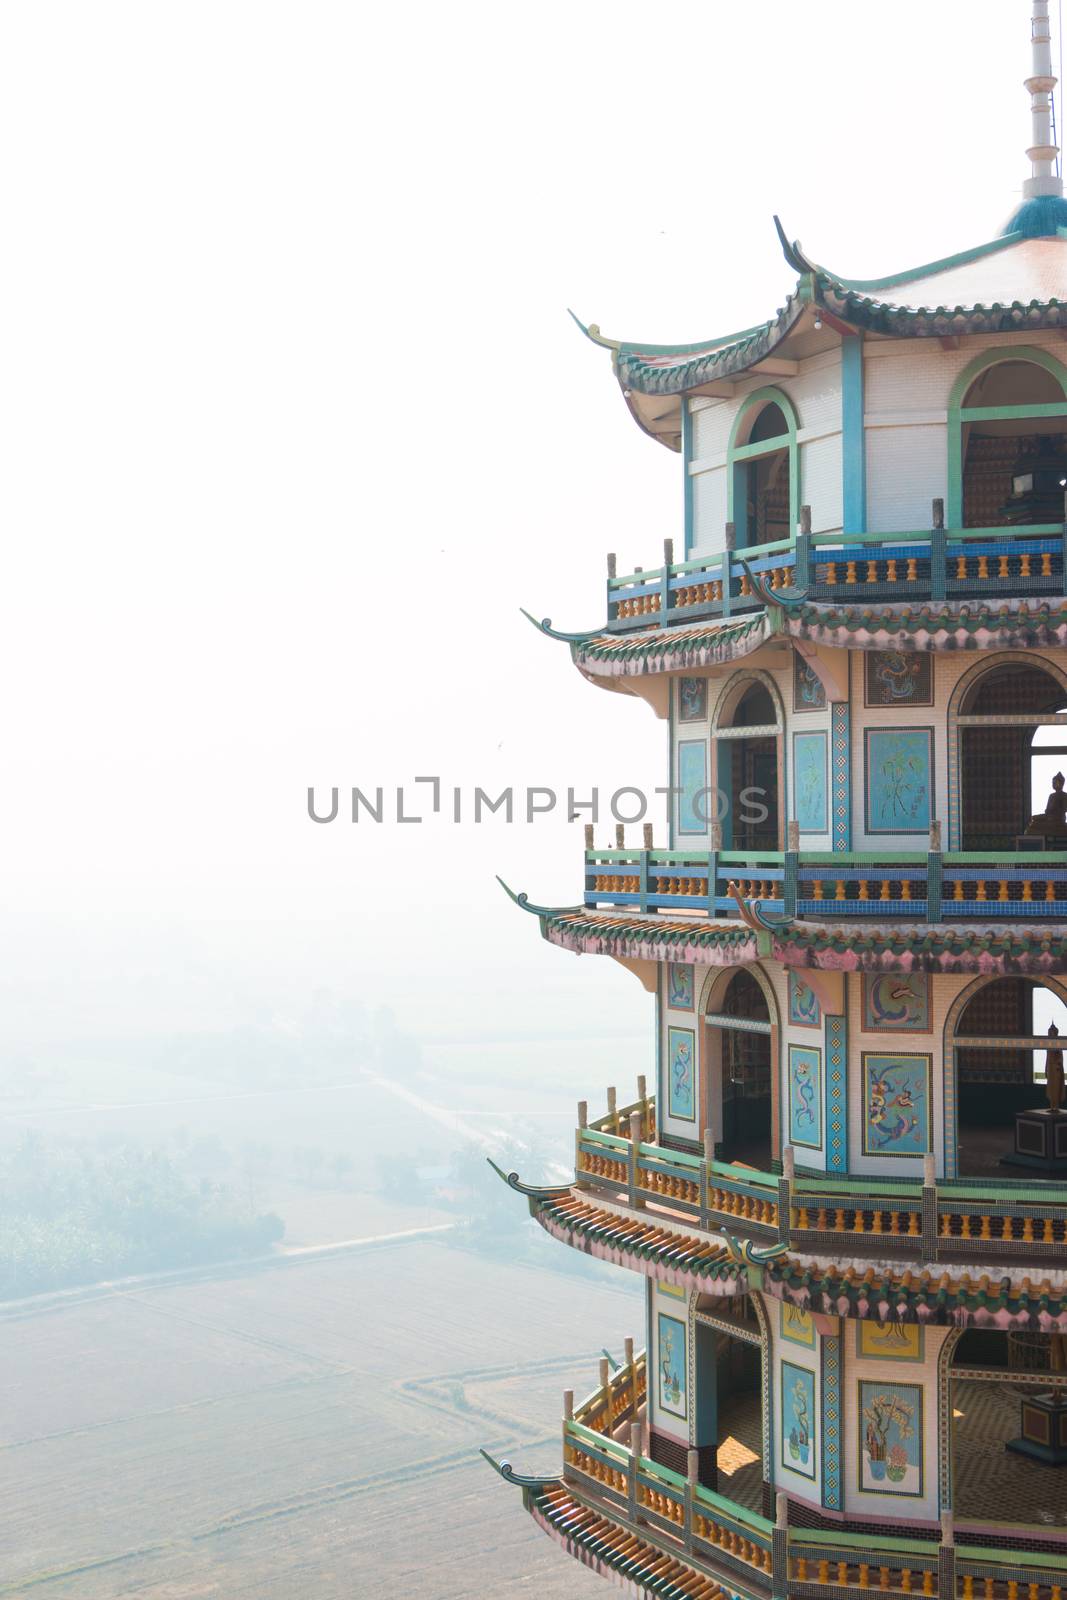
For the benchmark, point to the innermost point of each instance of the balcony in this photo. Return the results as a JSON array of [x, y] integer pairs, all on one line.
[[933, 1220], [932, 886], [634, 1520], [932, 564]]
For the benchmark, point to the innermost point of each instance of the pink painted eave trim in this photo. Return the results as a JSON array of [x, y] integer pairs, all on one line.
[[622, 1258]]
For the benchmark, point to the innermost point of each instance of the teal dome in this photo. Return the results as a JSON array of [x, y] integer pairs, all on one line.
[[1040, 217]]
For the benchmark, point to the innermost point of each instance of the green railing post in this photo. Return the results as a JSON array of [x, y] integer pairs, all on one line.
[[665, 580], [946, 1559], [1063, 543], [729, 535], [933, 875], [780, 1548], [715, 836], [802, 570], [613, 605], [929, 1207], [583, 1120], [692, 1478], [642, 870], [790, 870], [705, 1177], [636, 1132], [632, 1467], [937, 552], [785, 1193]]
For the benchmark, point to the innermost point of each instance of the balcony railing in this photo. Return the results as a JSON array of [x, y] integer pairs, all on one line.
[[921, 886], [929, 1220], [720, 1536], [935, 563]]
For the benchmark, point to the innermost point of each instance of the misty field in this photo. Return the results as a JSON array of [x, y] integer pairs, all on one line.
[[302, 1429]]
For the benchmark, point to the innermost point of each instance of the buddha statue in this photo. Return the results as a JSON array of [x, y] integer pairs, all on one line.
[[1053, 820]]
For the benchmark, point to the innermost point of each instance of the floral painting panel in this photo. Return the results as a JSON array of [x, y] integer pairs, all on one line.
[[671, 1375], [896, 1105], [899, 779], [798, 1419], [891, 1438], [805, 1096], [681, 1074]]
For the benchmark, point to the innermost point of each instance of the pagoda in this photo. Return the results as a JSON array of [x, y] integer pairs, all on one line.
[[847, 1195]]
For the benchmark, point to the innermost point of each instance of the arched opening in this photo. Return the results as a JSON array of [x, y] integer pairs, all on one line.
[[997, 1042], [764, 492], [741, 1051], [748, 759], [1013, 446], [1008, 1408], [729, 1355], [1011, 746]]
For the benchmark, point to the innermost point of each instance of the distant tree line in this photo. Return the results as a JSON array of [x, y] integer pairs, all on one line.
[[77, 1212]]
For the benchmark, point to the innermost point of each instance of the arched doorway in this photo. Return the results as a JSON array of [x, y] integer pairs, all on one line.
[[749, 769], [995, 1043], [730, 1356], [1009, 725], [741, 1076]]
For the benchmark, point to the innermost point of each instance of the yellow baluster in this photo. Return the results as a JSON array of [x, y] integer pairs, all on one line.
[[839, 889], [983, 566], [1028, 890], [905, 888], [1046, 564], [891, 570], [885, 890], [864, 890], [831, 572], [850, 572], [981, 890], [1002, 892], [912, 573], [872, 572], [1024, 565], [1002, 566], [957, 892], [961, 566]]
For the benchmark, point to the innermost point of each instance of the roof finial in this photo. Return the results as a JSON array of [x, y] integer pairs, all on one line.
[[1043, 179]]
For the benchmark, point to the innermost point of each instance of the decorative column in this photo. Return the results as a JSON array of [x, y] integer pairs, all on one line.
[[830, 1345], [836, 1039], [840, 768]]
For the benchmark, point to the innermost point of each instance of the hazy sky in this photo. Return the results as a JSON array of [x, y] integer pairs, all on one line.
[[295, 420]]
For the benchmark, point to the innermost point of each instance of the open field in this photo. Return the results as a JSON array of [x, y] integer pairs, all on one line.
[[297, 1430]]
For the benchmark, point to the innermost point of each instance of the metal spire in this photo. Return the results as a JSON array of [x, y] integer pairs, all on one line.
[[1042, 152]]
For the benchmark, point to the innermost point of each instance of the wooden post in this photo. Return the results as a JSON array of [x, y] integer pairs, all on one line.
[[630, 1364], [605, 1393], [934, 874], [611, 564], [620, 836], [613, 604], [646, 835], [614, 1121], [589, 836], [568, 1405], [938, 551]]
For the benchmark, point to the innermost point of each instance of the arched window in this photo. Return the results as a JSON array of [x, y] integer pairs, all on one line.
[[747, 736], [1007, 1393], [1009, 745], [996, 1039], [763, 486], [1008, 442]]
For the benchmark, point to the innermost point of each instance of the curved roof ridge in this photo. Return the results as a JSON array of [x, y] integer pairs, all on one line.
[[928, 269]]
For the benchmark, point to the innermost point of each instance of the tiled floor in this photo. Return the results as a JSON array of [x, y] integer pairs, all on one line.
[[990, 1482], [739, 1460]]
